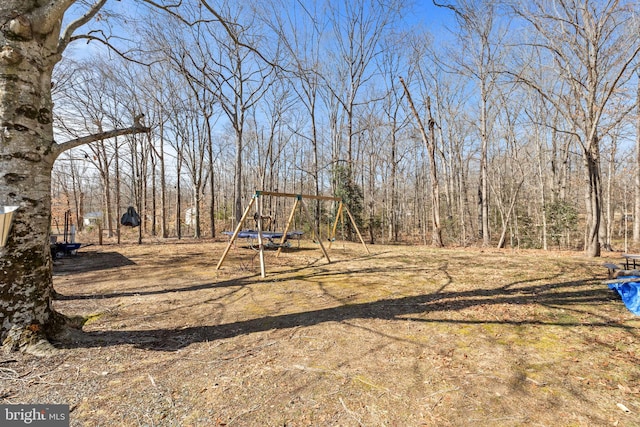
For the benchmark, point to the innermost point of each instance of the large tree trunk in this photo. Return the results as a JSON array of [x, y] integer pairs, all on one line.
[[32, 44], [26, 160]]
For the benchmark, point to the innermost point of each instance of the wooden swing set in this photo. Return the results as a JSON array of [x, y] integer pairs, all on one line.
[[256, 199]]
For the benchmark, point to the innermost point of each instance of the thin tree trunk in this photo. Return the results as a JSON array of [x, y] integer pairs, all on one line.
[[484, 186], [436, 237], [212, 205], [163, 184], [237, 186], [507, 215], [543, 196], [118, 198], [636, 192], [609, 215], [435, 185], [178, 197], [153, 193], [593, 203], [394, 190]]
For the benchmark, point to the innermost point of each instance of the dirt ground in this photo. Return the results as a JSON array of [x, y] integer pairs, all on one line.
[[403, 336]]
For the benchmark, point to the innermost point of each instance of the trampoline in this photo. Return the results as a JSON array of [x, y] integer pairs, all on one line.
[[252, 235]]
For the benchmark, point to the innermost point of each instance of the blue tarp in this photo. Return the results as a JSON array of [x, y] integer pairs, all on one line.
[[630, 293]]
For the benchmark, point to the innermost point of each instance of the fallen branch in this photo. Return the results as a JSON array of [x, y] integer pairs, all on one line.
[[350, 412]]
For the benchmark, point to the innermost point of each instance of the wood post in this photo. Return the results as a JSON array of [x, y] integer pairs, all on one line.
[[286, 228], [235, 233], [310, 220], [263, 273], [335, 224], [353, 221]]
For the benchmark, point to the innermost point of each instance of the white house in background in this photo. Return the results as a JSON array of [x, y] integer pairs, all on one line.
[[92, 218], [190, 216]]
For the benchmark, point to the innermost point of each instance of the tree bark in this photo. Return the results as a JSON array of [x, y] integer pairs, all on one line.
[[593, 203], [435, 185], [118, 195], [484, 186], [26, 160], [31, 44], [178, 196]]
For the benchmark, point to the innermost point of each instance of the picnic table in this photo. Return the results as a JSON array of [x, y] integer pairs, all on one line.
[[626, 281], [631, 261]]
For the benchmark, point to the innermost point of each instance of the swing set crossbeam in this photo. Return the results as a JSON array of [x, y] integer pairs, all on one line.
[[298, 196]]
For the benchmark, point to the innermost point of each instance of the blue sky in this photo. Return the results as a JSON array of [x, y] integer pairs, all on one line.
[[423, 13], [433, 17]]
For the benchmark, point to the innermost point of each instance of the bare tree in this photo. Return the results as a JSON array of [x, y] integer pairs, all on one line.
[[455, 127], [591, 49], [430, 143], [87, 103], [223, 63], [301, 32], [200, 116], [358, 29], [507, 173], [392, 62], [480, 38]]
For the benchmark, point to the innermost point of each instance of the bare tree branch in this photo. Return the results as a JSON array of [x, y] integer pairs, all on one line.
[[124, 55], [226, 24], [137, 127], [227, 27], [73, 26], [169, 8]]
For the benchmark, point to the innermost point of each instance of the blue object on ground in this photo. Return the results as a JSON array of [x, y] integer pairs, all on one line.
[[630, 293]]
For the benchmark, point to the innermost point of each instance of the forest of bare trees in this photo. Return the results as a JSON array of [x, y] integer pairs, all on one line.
[[517, 126]]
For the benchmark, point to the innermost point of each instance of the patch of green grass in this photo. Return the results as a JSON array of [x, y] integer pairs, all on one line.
[[91, 318]]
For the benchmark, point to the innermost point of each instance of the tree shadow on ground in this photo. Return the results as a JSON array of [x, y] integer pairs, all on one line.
[[90, 261], [244, 281], [119, 260], [556, 295]]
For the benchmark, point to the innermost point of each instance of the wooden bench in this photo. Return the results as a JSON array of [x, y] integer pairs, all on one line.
[[611, 269]]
